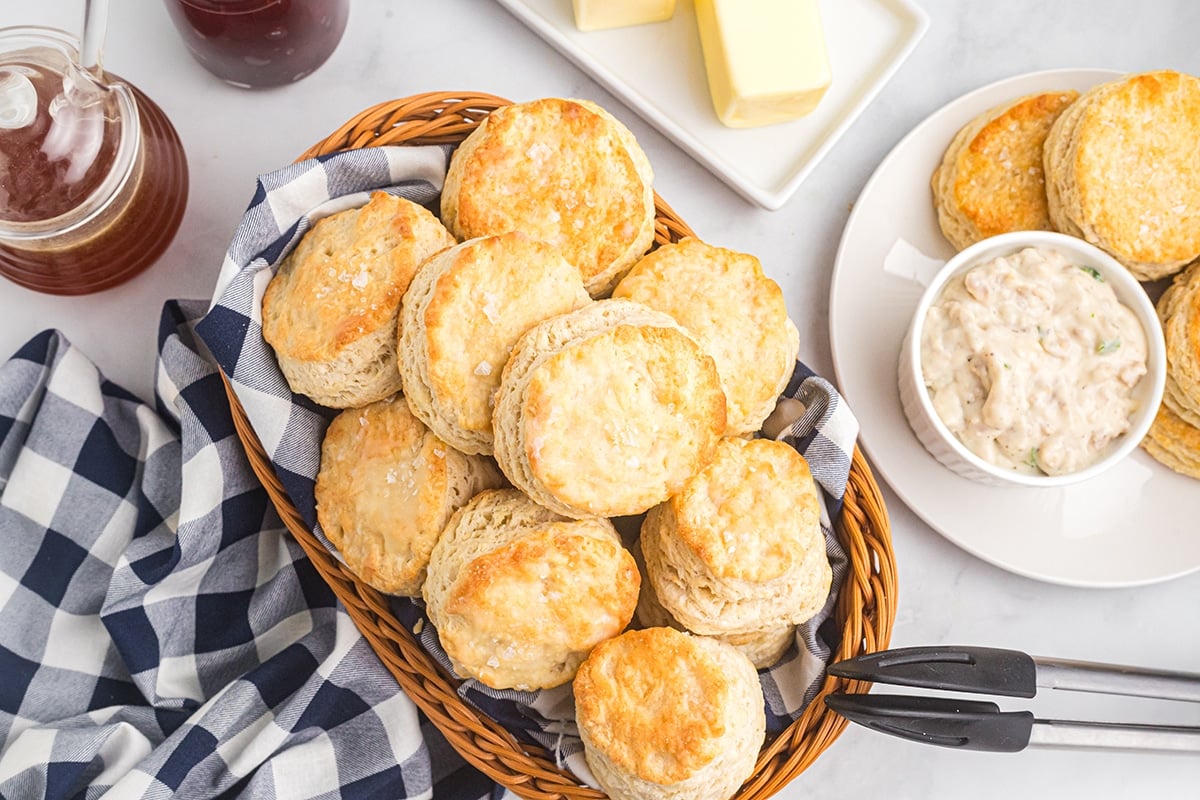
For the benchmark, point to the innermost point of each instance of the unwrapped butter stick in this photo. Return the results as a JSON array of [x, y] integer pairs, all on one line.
[[594, 15], [766, 59]]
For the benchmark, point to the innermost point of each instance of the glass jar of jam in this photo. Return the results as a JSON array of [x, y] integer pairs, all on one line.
[[255, 43], [93, 179]]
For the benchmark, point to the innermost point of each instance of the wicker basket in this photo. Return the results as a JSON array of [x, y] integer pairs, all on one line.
[[866, 605]]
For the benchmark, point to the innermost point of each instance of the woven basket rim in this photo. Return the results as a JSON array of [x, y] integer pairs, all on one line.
[[866, 603]]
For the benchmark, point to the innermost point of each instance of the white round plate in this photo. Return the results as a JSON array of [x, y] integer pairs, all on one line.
[[1135, 524]]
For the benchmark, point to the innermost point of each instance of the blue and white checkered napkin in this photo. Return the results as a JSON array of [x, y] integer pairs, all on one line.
[[160, 634], [286, 204]]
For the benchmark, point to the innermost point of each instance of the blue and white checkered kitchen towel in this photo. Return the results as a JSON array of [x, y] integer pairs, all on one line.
[[285, 206], [161, 635]]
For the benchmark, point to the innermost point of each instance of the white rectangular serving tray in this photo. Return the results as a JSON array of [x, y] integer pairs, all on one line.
[[658, 70]]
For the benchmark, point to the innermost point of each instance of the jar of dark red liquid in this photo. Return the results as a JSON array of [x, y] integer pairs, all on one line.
[[252, 43], [93, 179]]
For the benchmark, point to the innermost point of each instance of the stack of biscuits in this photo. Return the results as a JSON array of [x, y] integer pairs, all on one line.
[[1174, 438], [1122, 171], [517, 371], [738, 553], [1116, 166]]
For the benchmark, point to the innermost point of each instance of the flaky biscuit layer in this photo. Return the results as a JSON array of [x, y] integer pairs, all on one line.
[[386, 487], [563, 171], [739, 549], [991, 179], [665, 715], [1122, 171], [330, 312], [607, 410], [520, 595], [735, 312], [464, 311]]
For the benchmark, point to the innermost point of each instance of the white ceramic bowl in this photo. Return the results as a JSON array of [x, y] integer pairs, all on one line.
[[945, 446]]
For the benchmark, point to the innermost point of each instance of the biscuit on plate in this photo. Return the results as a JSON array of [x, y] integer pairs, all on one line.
[[607, 410], [563, 171], [990, 180], [734, 311], [764, 648], [520, 595], [462, 314], [739, 548], [386, 488], [1179, 311], [1173, 442], [663, 714], [1122, 171], [330, 311]]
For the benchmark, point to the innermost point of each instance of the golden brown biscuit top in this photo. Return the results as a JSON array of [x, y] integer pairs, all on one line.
[[563, 586], [562, 173], [633, 400], [496, 289], [999, 180], [735, 312], [752, 512], [1137, 168], [652, 700], [347, 275], [382, 488]]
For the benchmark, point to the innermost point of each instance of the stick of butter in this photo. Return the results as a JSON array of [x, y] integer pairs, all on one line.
[[766, 59], [594, 15]]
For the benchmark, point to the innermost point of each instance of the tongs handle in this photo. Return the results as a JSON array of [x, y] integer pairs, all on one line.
[[979, 670], [1082, 676], [980, 725]]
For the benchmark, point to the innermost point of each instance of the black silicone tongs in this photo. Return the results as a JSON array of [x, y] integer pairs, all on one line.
[[981, 725]]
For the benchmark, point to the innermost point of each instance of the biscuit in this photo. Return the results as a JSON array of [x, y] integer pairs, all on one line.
[[739, 549], [763, 648], [666, 715], [519, 595], [462, 315], [563, 171], [991, 180], [1122, 173], [1174, 443], [330, 311], [1179, 311], [386, 488], [606, 411], [735, 312]]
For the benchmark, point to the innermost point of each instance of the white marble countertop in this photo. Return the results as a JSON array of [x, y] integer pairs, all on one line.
[[394, 49]]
